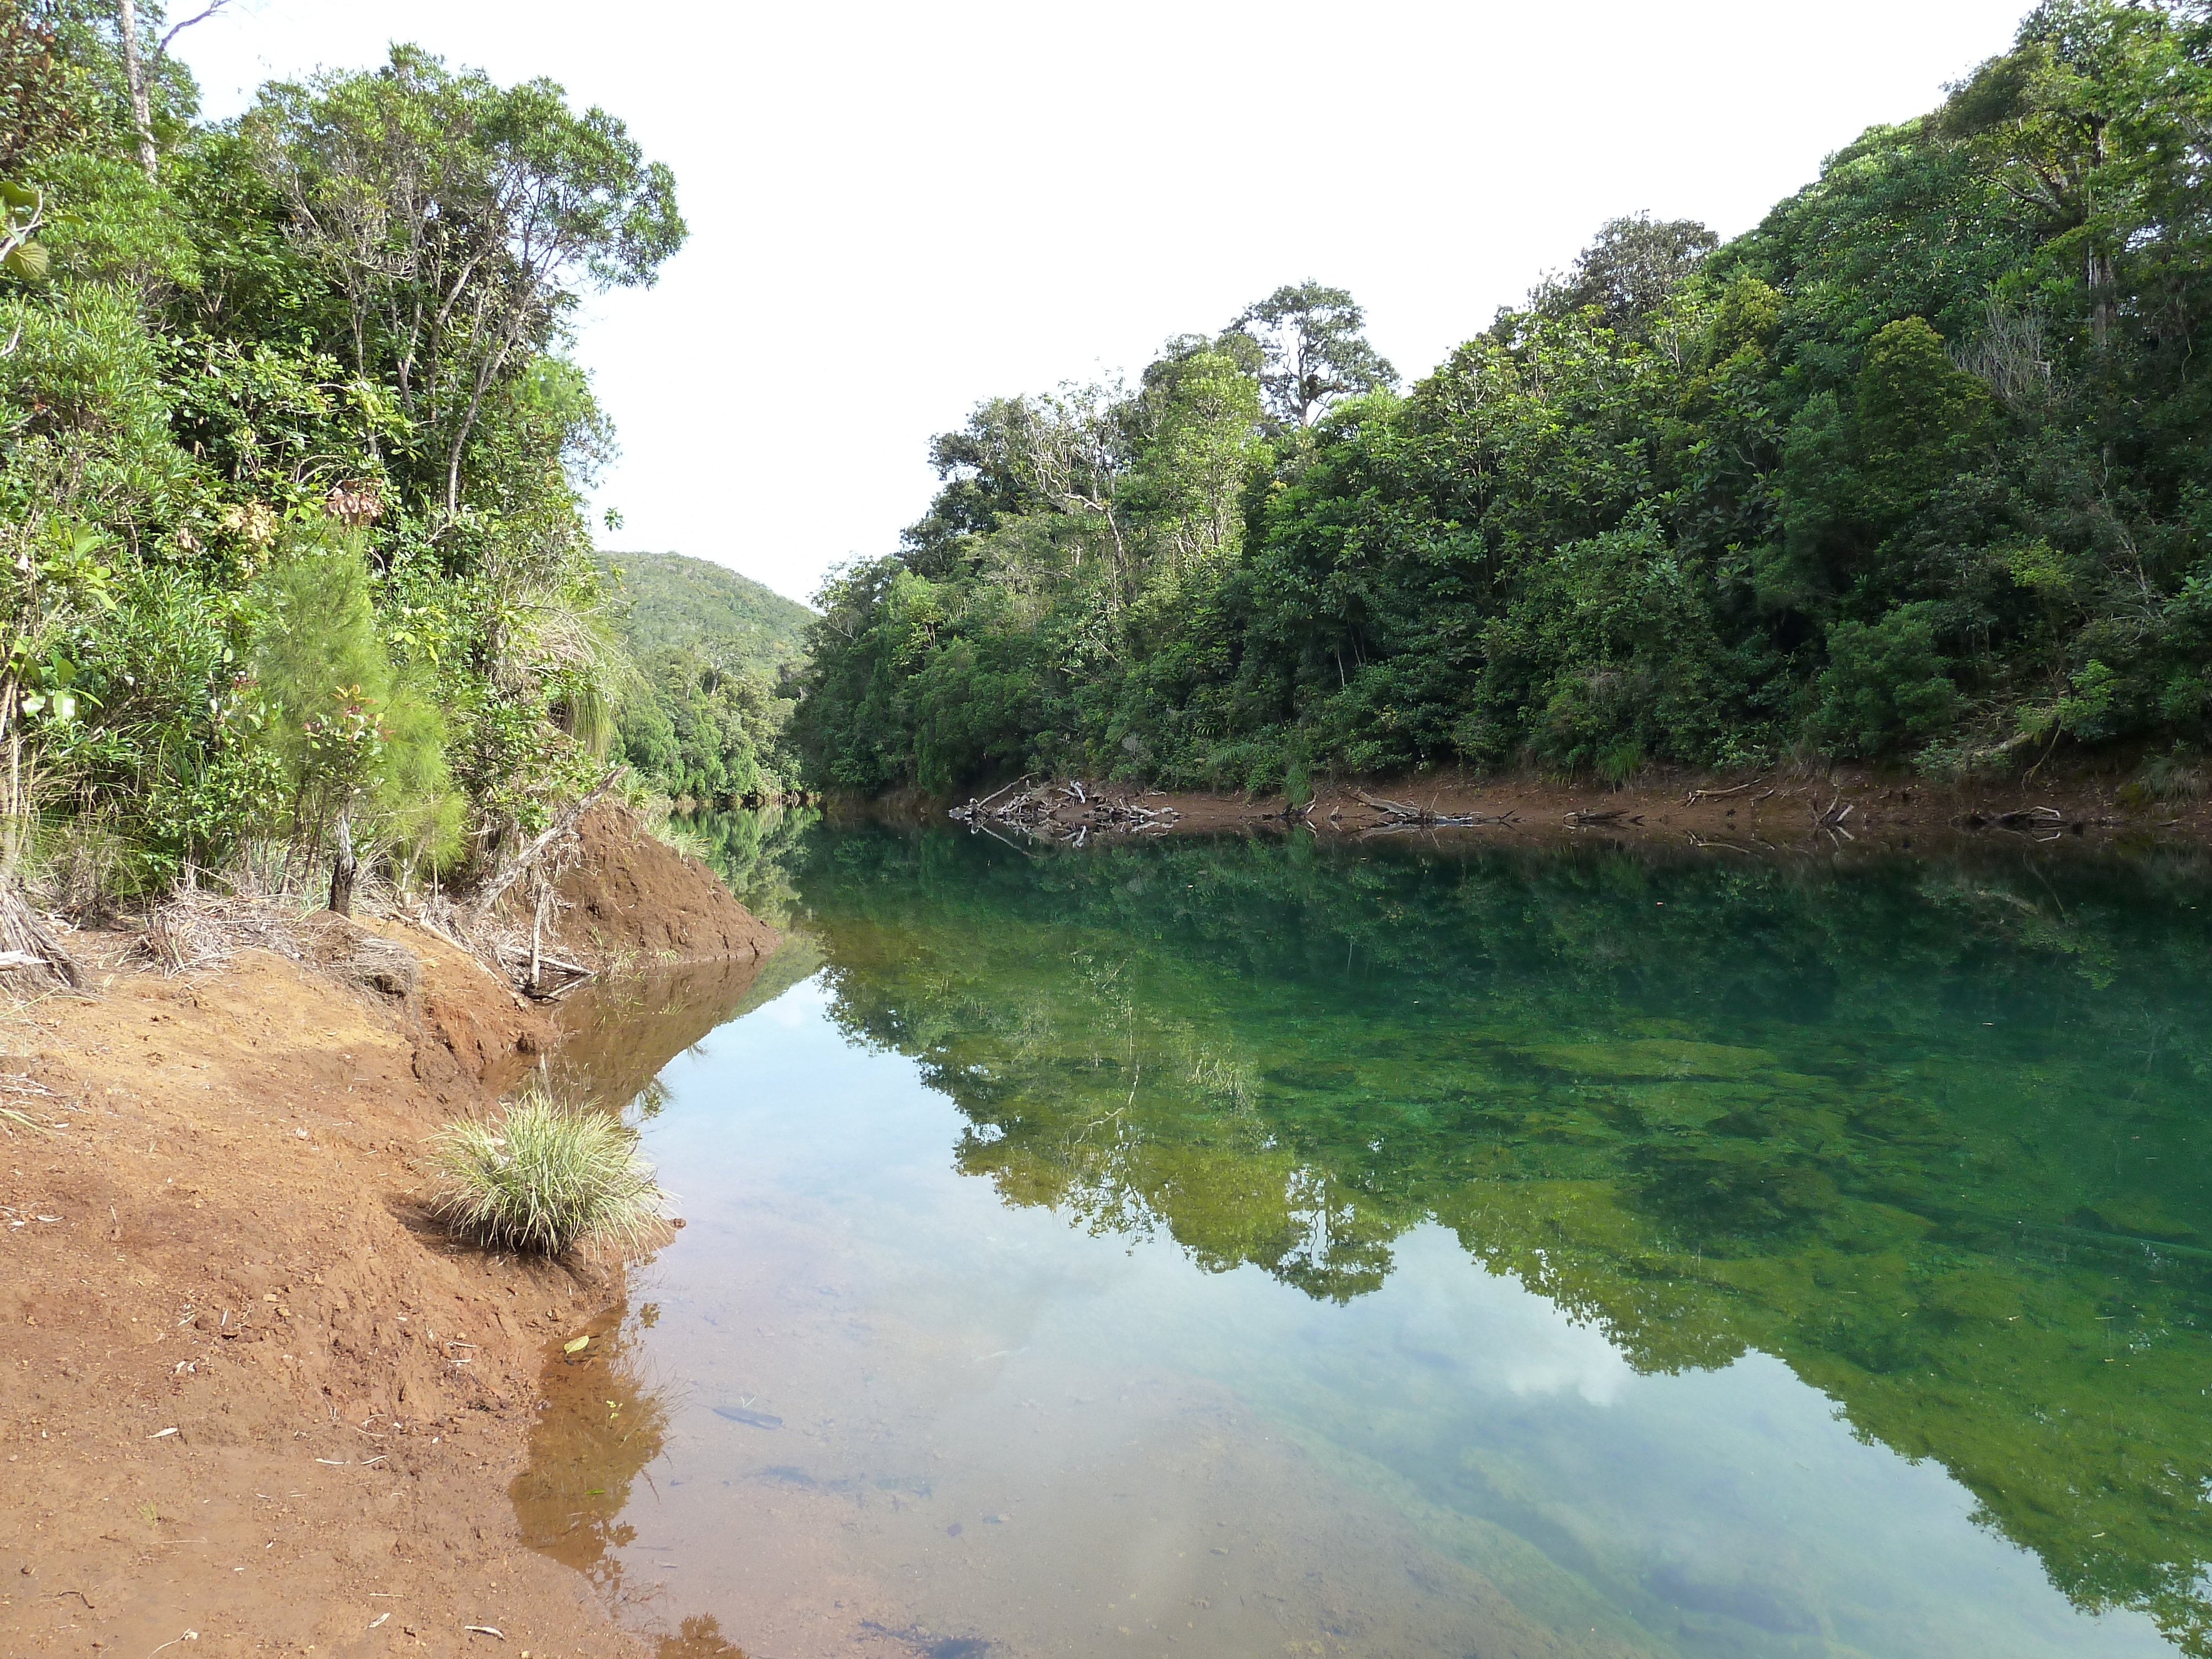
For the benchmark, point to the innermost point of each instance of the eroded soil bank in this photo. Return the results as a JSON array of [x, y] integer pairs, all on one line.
[[255, 1401], [1749, 809]]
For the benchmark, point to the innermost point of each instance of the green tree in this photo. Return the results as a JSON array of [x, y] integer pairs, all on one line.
[[1312, 350], [459, 220], [1631, 269]]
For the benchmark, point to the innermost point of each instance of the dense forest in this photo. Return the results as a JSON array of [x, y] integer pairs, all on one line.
[[291, 455], [1912, 473], [702, 718]]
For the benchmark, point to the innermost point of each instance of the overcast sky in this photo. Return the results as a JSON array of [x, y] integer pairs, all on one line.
[[899, 210]]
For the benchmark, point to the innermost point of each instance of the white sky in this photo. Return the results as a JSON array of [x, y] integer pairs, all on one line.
[[899, 210]]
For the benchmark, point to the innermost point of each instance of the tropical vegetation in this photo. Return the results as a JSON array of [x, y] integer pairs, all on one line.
[[703, 718], [292, 450], [1911, 473]]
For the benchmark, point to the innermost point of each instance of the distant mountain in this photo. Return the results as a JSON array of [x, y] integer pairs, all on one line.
[[665, 601]]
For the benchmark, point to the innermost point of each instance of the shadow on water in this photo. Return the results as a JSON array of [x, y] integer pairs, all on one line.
[[1928, 1132]]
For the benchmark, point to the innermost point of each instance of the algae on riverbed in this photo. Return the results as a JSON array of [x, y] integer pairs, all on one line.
[[1928, 1133]]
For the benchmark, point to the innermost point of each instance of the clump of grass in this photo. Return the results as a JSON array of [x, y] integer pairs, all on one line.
[[544, 1178], [660, 814], [2178, 776]]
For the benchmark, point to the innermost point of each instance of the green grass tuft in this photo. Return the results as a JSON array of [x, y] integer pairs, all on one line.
[[544, 1178]]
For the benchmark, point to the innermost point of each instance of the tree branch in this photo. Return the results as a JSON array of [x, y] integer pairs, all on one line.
[[200, 16]]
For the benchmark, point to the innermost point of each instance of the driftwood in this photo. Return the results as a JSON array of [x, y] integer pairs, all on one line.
[[1588, 819], [1697, 795], [1831, 817], [1405, 815], [1039, 810], [1704, 842], [2024, 817]]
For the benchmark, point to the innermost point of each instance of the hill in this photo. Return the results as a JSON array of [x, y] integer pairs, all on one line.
[[667, 601], [701, 722]]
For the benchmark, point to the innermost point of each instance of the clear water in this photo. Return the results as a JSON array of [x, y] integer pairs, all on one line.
[[1263, 1247]]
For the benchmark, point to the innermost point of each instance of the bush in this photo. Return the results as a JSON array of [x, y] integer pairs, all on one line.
[[544, 1178], [1886, 682]]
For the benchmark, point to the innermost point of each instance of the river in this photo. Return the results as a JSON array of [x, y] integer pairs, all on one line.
[[1266, 1247]]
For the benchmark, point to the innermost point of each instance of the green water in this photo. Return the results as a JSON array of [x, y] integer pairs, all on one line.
[[1915, 1147]]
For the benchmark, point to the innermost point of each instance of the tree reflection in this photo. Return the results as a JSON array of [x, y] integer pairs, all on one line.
[[1925, 1130]]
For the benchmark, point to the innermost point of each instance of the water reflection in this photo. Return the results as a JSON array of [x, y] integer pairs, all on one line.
[[601, 1428], [1921, 1135]]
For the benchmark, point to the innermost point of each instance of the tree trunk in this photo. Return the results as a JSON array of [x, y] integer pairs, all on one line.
[[343, 871], [538, 924], [134, 71], [2103, 279]]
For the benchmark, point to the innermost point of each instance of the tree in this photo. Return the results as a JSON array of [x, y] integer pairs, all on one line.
[[2042, 121], [39, 88], [134, 74], [459, 219], [1632, 268], [1312, 351]]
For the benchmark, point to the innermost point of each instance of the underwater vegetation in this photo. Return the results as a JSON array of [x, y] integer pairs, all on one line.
[[1926, 1131]]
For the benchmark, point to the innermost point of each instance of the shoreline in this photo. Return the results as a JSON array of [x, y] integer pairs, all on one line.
[[1775, 811], [256, 1392], [259, 1396]]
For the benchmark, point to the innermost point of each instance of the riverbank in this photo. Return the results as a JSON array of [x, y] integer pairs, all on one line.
[[1748, 811], [255, 1394]]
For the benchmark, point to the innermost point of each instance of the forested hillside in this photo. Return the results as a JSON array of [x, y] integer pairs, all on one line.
[[295, 570], [667, 601], [703, 718], [1912, 472]]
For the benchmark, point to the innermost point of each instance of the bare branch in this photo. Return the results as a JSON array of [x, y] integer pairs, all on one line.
[[200, 16]]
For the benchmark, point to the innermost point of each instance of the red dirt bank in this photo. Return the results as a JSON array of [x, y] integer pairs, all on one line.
[[1747, 810], [250, 1392]]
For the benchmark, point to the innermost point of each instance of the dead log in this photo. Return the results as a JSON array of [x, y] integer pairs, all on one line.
[[1697, 795]]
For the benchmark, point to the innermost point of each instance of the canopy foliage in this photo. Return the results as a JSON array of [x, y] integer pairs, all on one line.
[[1911, 472]]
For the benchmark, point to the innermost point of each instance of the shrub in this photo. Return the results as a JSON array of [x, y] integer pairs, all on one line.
[[1886, 681], [544, 1178]]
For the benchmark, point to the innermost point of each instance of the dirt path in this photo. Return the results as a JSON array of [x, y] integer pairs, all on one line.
[[254, 1402]]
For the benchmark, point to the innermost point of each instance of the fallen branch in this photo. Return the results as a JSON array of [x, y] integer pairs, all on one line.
[[1697, 795], [563, 824]]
